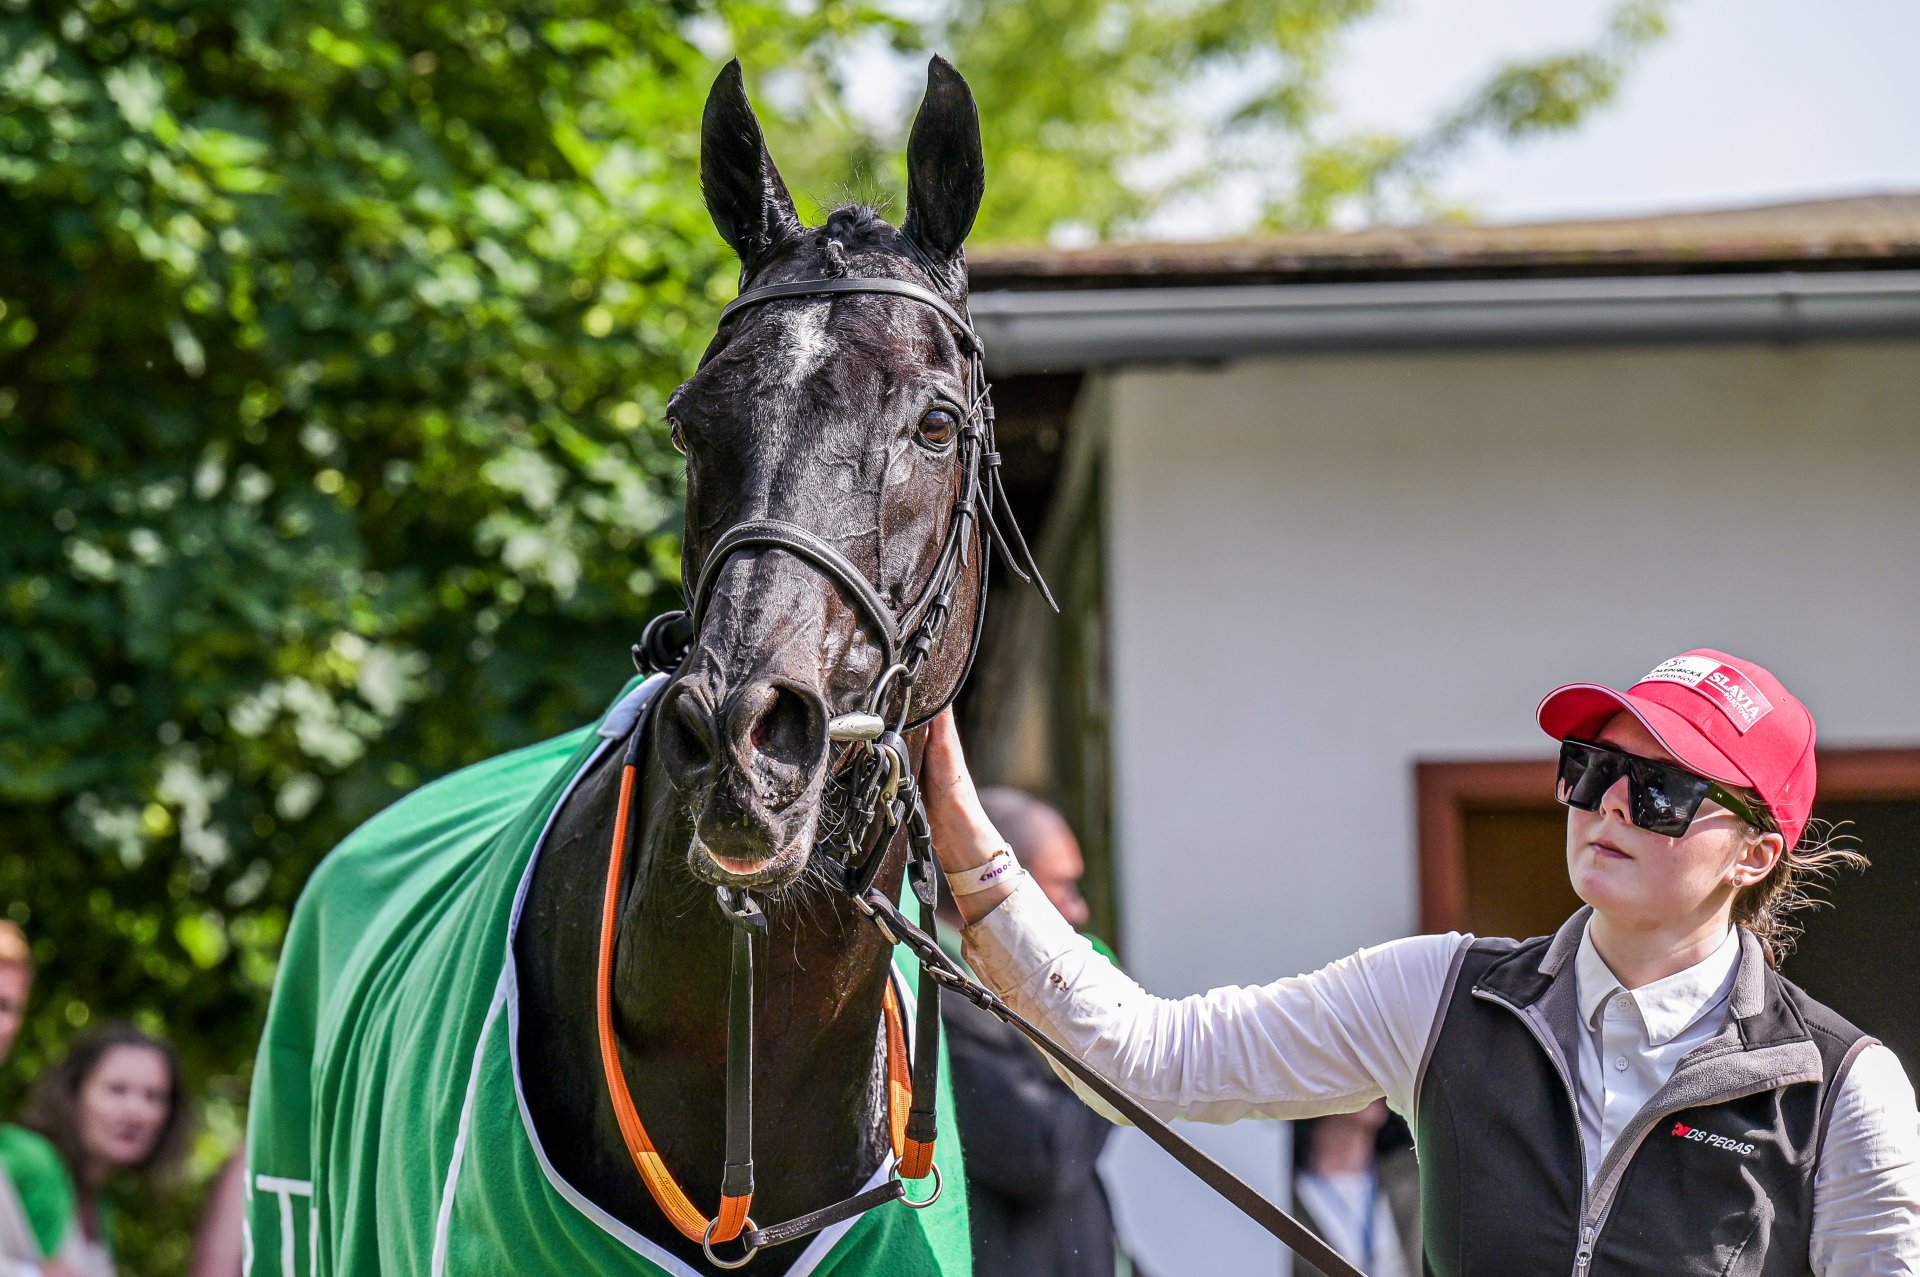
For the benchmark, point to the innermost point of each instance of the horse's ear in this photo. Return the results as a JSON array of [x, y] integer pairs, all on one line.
[[946, 173], [743, 190]]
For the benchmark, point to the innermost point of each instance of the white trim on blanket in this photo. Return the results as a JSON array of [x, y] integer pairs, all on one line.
[[444, 1220], [620, 720]]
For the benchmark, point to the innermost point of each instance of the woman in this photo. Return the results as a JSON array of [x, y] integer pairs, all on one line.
[[1640, 1093], [112, 1109]]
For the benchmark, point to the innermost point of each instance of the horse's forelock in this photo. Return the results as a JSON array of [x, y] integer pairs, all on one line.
[[868, 242]]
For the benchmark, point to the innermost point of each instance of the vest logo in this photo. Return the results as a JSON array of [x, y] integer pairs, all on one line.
[[1682, 1131], [1732, 692]]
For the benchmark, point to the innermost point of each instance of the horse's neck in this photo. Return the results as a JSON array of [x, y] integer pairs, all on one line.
[[819, 974]]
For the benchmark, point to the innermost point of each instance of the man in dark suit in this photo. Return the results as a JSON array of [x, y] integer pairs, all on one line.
[[1038, 1208]]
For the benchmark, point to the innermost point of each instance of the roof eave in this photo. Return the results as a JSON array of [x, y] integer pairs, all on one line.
[[1081, 328]]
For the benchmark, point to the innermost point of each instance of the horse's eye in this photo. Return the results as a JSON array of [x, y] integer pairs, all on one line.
[[938, 427], [678, 434]]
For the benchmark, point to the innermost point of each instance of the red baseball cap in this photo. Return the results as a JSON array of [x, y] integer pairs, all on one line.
[[1728, 719]]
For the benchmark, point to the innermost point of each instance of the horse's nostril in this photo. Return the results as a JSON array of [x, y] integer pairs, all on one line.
[[686, 735], [787, 729]]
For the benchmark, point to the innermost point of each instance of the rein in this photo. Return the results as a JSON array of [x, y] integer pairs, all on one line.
[[884, 797]]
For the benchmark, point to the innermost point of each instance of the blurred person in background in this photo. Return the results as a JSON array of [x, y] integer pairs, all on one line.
[[1036, 1205], [16, 981], [1355, 1182], [1044, 845], [35, 1191], [114, 1110]]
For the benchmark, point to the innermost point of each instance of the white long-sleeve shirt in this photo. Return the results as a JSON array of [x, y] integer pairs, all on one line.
[[1358, 1029]]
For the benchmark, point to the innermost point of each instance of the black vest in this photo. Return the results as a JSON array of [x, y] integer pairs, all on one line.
[[1714, 1177]]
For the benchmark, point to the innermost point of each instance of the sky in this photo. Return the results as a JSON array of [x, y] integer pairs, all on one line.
[[1743, 102]]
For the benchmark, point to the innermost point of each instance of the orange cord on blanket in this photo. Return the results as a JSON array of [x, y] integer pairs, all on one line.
[[666, 1191]]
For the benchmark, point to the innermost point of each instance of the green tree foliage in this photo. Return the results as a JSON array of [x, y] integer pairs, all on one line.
[[333, 341], [333, 338]]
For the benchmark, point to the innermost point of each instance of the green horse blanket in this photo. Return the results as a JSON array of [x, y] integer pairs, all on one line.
[[388, 1136]]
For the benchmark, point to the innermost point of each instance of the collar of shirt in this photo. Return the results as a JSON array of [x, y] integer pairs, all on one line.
[[1667, 1006]]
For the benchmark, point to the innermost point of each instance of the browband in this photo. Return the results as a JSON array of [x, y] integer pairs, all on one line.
[[862, 284]]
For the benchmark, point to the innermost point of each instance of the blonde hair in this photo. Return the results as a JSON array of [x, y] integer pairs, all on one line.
[[1769, 907], [14, 949]]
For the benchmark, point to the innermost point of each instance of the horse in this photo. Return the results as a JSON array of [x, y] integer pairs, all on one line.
[[478, 999]]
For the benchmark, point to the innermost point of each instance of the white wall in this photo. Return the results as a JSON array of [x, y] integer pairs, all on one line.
[[1325, 569]]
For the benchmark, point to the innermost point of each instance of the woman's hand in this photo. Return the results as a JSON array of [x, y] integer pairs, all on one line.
[[963, 837]]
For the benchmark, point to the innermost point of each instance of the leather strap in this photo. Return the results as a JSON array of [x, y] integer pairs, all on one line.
[[736, 1175], [900, 1108], [665, 1190], [916, 1160], [911, 1131], [827, 1216], [861, 284], [795, 539]]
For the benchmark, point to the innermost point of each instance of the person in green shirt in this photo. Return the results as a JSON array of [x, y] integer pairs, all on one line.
[[113, 1109], [36, 1196]]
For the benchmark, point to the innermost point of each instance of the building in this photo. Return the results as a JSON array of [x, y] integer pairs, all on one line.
[[1330, 512]]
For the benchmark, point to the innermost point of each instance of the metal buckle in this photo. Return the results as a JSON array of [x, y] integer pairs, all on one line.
[[747, 913], [894, 748], [860, 903]]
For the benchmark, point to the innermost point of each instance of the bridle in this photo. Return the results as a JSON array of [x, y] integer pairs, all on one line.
[[883, 797], [880, 768], [981, 504], [876, 770]]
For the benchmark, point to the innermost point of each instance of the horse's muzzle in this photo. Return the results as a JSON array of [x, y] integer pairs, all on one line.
[[751, 773]]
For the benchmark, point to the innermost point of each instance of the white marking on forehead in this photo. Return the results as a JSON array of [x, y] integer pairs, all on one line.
[[805, 342]]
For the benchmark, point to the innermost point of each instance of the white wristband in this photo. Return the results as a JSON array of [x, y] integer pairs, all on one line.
[[1000, 867]]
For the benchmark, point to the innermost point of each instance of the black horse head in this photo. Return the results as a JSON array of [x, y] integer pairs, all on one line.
[[840, 415]]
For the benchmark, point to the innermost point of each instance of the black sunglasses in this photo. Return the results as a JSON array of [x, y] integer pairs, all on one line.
[[1662, 797]]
